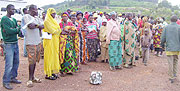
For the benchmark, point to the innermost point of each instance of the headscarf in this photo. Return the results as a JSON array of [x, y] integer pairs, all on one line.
[[101, 13], [113, 13], [145, 19], [73, 13], [104, 20], [120, 15], [50, 24], [79, 12], [159, 19], [64, 14]]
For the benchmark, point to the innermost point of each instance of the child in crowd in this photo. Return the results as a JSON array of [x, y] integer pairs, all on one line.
[[104, 47], [146, 42]]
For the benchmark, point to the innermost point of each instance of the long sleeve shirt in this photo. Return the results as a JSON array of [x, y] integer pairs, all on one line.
[[9, 29], [171, 37], [114, 31]]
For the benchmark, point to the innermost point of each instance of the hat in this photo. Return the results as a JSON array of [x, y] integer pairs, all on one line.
[[64, 14], [159, 19], [95, 15], [68, 9], [120, 14], [100, 12], [73, 13], [113, 13], [145, 19], [104, 20]]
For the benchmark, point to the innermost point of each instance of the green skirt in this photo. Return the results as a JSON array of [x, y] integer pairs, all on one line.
[[115, 53]]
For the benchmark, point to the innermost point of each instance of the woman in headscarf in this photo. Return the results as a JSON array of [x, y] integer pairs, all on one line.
[[83, 53], [92, 38], [157, 36], [114, 41], [51, 45], [129, 41], [69, 46]]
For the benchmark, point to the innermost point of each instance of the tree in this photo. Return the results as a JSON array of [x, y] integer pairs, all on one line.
[[165, 4]]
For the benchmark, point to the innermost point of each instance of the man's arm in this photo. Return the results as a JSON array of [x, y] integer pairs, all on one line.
[[163, 38], [9, 30]]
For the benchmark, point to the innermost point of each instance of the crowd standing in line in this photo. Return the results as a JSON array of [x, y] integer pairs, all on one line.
[[80, 38]]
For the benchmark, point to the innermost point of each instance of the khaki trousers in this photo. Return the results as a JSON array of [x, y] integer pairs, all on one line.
[[104, 53], [173, 62]]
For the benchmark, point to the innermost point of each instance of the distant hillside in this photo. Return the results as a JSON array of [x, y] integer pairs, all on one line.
[[95, 4]]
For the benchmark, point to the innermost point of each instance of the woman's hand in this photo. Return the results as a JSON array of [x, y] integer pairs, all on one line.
[[32, 26], [64, 33], [84, 29], [41, 27], [107, 41], [73, 32]]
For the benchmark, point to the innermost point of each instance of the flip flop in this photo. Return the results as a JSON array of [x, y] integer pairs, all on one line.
[[29, 84], [36, 80]]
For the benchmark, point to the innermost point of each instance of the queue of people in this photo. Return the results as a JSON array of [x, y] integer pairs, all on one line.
[[80, 38]]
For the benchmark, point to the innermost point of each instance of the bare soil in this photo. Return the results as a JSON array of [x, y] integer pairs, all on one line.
[[153, 77]]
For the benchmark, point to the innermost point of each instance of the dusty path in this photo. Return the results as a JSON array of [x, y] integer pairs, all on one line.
[[151, 78]]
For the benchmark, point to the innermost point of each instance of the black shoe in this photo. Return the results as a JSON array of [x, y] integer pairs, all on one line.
[[69, 73], [171, 80], [107, 61], [102, 61], [50, 78], [118, 67], [15, 81], [55, 75], [7, 86], [25, 55]]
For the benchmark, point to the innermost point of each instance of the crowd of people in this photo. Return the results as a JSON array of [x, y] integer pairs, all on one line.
[[80, 38]]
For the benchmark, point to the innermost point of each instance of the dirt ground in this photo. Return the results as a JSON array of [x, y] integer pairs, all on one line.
[[153, 77]]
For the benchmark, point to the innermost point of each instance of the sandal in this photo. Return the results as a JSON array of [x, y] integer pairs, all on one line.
[[36, 80], [55, 75], [102, 61], [127, 66], [107, 61], [84, 63], [112, 68], [50, 78], [69, 73], [118, 67], [29, 84], [62, 74]]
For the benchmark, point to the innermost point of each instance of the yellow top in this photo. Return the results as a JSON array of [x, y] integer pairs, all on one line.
[[51, 46], [172, 53], [50, 24]]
